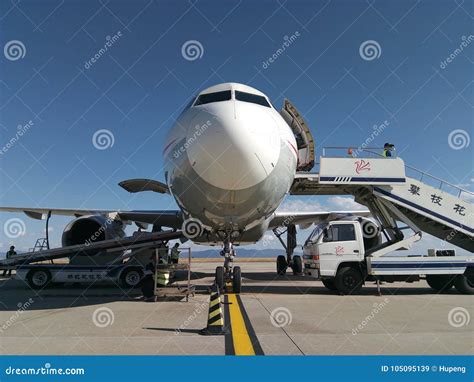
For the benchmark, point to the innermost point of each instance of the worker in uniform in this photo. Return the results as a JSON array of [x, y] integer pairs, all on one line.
[[147, 284], [387, 150], [9, 255], [162, 253], [175, 254]]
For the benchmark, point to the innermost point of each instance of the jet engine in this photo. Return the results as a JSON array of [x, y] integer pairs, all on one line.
[[92, 229]]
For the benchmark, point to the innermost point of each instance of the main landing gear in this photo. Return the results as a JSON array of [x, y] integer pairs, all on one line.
[[228, 275], [288, 261]]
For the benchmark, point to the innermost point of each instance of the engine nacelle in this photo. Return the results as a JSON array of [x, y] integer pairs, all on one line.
[[92, 229]]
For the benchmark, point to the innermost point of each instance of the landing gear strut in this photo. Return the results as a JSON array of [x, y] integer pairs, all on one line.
[[293, 262], [228, 274]]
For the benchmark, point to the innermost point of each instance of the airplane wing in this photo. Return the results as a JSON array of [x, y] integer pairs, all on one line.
[[170, 218], [306, 219]]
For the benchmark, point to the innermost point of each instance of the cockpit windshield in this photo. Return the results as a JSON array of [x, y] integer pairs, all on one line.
[[203, 99], [251, 98]]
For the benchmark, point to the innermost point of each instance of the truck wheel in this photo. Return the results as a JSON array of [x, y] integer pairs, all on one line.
[[329, 284], [38, 278], [130, 278], [348, 280], [236, 280], [297, 265], [281, 265], [440, 283], [220, 278], [463, 285]]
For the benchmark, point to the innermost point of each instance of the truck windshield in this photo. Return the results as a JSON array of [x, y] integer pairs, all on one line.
[[318, 230], [342, 232]]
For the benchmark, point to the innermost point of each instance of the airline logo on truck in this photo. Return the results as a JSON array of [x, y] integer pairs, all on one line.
[[362, 165]]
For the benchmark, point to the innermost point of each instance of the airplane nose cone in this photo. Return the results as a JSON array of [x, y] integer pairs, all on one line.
[[233, 152]]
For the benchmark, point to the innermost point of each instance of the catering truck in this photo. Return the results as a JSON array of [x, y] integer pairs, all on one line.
[[344, 254]]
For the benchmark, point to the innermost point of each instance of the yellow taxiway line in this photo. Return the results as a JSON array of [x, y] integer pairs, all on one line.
[[240, 335]]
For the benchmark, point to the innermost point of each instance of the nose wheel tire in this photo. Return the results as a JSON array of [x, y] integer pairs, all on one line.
[[281, 265], [236, 280], [220, 277]]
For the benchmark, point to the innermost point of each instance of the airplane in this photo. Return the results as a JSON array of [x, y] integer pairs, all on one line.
[[230, 159]]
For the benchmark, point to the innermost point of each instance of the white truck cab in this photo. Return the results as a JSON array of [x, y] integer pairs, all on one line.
[[343, 254], [331, 242]]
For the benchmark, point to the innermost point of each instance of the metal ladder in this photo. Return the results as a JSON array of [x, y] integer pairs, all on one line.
[[40, 245]]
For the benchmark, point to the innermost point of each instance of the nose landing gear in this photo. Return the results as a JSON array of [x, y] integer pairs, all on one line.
[[288, 261], [228, 277]]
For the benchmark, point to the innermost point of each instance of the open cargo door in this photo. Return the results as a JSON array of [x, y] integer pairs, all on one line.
[[304, 138]]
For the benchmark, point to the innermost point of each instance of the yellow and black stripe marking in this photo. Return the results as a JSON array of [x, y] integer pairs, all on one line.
[[240, 338], [215, 313]]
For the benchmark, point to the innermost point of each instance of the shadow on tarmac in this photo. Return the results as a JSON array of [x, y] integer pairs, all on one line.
[[177, 331], [15, 293]]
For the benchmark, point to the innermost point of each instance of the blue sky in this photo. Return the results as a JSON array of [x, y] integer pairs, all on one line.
[[139, 85]]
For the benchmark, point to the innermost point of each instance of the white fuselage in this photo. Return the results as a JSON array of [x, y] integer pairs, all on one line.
[[230, 163]]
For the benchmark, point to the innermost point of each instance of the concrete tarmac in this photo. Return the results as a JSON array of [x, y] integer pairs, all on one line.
[[280, 315]]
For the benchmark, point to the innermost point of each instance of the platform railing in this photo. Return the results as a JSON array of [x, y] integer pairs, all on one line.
[[356, 152], [422, 176], [443, 185]]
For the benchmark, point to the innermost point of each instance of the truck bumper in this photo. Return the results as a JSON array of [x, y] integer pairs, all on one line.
[[311, 272]]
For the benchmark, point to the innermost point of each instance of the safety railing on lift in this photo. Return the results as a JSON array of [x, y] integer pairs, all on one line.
[[422, 176]]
